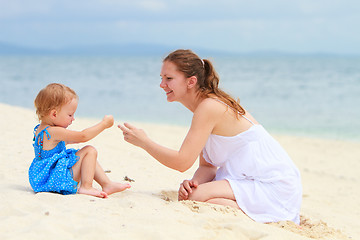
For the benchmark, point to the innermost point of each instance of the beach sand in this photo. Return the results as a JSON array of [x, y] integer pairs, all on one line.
[[150, 210]]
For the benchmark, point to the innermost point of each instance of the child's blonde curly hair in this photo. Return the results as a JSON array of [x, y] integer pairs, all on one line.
[[53, 96]]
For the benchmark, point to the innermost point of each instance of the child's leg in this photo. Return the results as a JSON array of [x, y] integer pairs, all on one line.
[[217, 192], [107, 185], [84, 171]]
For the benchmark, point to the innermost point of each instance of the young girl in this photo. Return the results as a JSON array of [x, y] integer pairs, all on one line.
[[241, 165], [56, 168]]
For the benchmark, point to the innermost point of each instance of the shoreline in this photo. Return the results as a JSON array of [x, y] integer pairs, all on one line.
[[329, 170], [274, 130]]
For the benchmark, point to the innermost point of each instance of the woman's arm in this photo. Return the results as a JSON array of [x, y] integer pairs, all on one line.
[[180, 160], [204, 119], [69, 136], [205, 173]]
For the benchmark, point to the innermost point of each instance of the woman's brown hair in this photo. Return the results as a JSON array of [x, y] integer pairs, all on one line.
[[191, 64], [53, 96]]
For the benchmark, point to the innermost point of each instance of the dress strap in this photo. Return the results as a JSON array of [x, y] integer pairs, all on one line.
[[35, 129], [41, 133], [47, 133], [39, 138], [234, 110], [248, 119]]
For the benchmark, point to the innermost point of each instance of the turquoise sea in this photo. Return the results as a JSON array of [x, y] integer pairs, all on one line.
[[316, 96]]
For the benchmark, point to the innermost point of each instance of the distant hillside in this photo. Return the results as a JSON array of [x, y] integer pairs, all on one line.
[[130, 49], [125, 49], [6, 49], [137, 49]]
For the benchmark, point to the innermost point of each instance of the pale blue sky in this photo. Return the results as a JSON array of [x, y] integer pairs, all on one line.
[[304, 26]]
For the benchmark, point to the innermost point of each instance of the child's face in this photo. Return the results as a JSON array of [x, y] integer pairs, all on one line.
[[65, 116]]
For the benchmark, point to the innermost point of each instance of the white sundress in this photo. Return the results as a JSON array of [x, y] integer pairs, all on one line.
[[265, 181]]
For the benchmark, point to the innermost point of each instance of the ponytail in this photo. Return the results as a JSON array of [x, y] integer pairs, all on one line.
[[211, 80]]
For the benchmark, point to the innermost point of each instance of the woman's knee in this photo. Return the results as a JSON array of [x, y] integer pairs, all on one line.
[[211, 190], [198, 194]]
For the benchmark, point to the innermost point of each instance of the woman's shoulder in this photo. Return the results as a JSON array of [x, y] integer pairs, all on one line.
[[210, 107], [206, 115]]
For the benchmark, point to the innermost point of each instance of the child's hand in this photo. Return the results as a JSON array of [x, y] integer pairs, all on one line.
[[186, 188], [108, 120]]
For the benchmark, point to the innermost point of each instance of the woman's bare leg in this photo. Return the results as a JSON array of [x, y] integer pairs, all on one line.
[[224, 202], [217, 192]]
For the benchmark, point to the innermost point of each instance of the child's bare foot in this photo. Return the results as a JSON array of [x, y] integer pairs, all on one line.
[[93, 192], [114, 187]]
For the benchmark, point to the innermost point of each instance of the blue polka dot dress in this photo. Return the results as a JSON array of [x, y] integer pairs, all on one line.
[[50, 171]]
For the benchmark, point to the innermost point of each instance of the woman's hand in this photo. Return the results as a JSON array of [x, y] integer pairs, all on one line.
[[186, 188], [133, 135], [108, 120]]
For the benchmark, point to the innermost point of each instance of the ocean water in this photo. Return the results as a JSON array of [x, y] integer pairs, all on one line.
[[316, 96]]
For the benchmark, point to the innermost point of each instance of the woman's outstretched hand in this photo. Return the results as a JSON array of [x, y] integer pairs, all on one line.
[[133, 135], [186, 188]]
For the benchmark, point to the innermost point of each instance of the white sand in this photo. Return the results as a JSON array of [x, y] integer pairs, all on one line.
[[149, 210]]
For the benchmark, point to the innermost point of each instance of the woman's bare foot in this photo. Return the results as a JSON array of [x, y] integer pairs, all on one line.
[[92, 192], [114, 187]]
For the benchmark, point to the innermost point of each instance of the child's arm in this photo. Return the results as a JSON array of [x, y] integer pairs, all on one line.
[[69, 136]]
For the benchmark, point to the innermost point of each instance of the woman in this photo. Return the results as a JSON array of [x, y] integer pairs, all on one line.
[[241, 165]]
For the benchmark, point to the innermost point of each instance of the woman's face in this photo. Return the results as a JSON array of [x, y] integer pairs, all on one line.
[[173, 82]]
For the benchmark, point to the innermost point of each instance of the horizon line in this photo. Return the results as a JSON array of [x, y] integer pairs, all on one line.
[[147, 49]]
